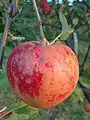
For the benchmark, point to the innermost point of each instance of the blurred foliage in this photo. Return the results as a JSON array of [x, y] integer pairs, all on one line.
[[63, 20]]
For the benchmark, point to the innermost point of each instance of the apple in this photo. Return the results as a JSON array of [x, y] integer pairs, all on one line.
[[42, 75], [46, 9]]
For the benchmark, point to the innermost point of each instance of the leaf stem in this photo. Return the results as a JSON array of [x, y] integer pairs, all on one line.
[[55, 39]]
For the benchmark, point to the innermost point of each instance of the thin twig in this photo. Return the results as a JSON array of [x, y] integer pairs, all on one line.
[[42, 36], [84, 2], [3, 109], [12, 110], [12, 6], [6, 29], [86, 56], [51, 114], [16, 37], [7, 26], [20, 10]]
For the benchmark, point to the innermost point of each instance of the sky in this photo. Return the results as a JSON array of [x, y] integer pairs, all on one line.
[[68, 0]]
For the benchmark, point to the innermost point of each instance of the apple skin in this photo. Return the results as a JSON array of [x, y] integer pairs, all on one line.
[[42, 75], [46, 9]]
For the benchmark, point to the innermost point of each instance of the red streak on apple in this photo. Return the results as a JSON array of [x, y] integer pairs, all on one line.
[[42, 75], [36, 78]]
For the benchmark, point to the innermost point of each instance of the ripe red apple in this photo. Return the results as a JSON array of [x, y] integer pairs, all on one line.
[[42, 75], [46, 9]]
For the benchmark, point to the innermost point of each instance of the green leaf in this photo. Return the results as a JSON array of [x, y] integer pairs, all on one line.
[[22, 107], [16, 116], [43, 117], [75, 21], [3, 81], [85, 81], [1, 28], [66, 29], [66, 34], [76, 114], [77, 95], [7, 51], [63, 21]]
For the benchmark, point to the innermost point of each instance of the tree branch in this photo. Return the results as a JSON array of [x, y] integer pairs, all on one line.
[[42, 36], [84, 2], [11, 7], [51, 114], [86, 56]]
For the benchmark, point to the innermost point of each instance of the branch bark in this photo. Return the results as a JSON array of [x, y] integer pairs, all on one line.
[[86, 56], [11, 7], [42, 35]]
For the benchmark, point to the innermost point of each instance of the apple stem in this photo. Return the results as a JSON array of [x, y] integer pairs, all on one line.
[[43, 39]]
